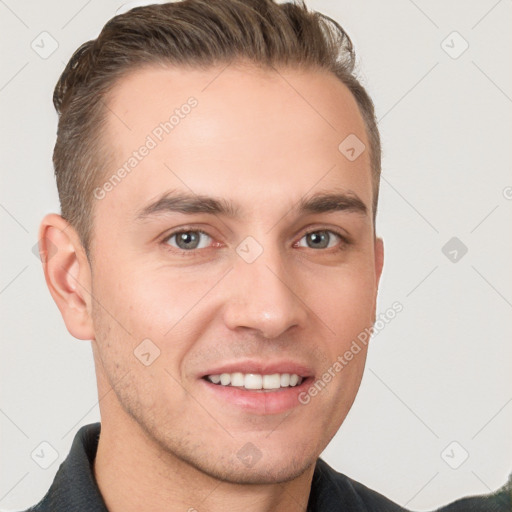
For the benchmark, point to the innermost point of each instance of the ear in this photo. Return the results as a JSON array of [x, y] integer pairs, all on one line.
[[379, 263], [379, 259], [67, 273]]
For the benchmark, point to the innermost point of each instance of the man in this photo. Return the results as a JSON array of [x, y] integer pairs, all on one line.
[[218, 171]]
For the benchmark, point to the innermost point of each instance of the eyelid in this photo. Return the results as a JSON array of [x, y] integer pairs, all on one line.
[[337, 231]]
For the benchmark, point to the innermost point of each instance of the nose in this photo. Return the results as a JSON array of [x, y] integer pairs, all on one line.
[[264, 295]]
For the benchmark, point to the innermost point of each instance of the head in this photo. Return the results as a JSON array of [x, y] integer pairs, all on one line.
[[235, 122]]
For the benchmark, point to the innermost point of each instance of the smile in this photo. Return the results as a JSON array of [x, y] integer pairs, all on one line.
[[255, 381]]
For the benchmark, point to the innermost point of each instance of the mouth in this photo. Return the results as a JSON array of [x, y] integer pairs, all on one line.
[[259, 389], [256, 381]]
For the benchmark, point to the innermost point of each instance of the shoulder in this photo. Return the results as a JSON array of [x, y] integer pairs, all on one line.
[[74, 486], [331, 490], [497, 501]]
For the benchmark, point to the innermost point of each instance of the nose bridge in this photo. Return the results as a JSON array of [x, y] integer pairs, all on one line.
[[263, 295]]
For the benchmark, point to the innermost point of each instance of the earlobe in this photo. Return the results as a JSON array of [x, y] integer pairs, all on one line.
[[67, 274]]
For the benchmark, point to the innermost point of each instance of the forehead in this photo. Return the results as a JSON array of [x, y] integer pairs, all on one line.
[[235, 130]]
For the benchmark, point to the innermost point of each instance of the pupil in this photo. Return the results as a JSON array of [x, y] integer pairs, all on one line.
[[315, 237], [187, 237]]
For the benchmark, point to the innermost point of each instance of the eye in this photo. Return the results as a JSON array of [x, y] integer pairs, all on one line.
[[187, 240], [190, 240], [321, 239]]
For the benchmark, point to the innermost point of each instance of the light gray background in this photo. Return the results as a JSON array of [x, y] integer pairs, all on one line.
[[438, 373]]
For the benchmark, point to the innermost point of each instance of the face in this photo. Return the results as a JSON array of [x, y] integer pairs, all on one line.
[[215, 254]]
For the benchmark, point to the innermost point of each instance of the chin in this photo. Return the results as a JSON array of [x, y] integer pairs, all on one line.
[[262, 473], [246, 465]]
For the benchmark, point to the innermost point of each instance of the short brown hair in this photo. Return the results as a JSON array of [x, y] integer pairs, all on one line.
[[190, 32]]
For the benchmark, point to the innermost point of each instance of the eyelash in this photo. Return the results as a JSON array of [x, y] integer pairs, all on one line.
[[344, 241]]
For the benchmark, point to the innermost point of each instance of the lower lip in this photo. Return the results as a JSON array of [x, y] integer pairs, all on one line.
[[259, 401]]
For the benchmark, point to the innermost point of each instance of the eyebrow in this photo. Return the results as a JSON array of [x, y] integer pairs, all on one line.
[[187, 203]]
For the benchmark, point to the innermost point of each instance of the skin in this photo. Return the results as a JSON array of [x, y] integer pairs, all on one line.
[[255, 140]]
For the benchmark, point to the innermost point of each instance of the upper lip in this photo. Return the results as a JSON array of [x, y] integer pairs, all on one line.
[[261, 367]]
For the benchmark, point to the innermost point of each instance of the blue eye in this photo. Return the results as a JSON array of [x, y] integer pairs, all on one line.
[[190, 240], [187, 240], [321, 239]]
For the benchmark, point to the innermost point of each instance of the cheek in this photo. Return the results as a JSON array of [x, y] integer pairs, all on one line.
[[346, 309], [131, 317], [344, 299], [147, 302], [166, 302], [149, 311]]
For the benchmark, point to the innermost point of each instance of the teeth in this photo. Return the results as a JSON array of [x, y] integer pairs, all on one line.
[[256, 380], [272, 381], [215, 378], [237, 379], [253, 381]]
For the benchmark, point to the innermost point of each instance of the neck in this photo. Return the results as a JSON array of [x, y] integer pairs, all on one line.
[[133, 473]]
